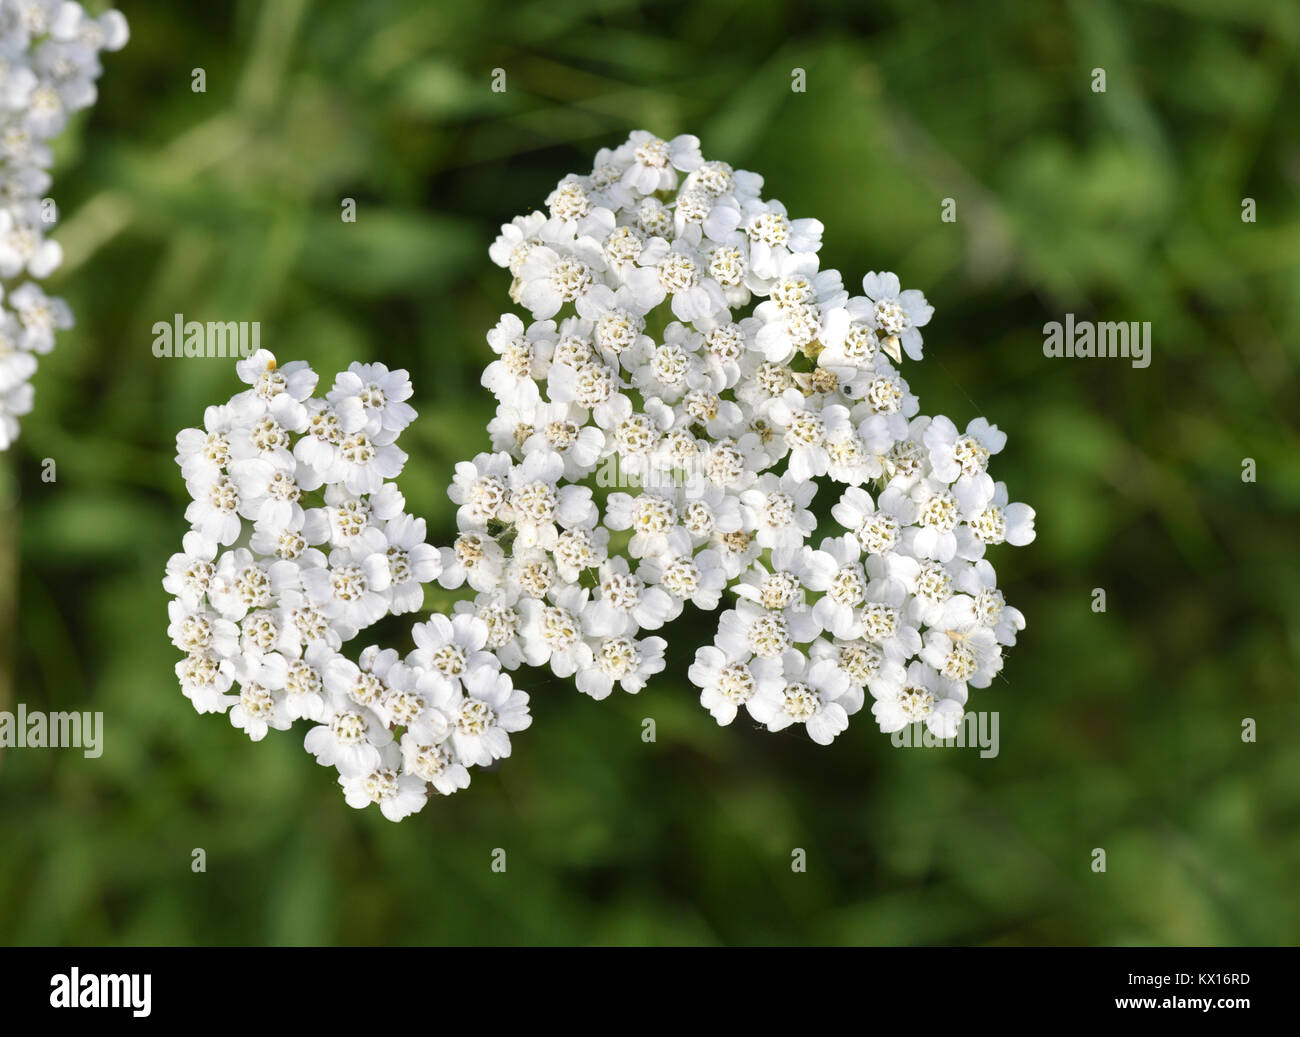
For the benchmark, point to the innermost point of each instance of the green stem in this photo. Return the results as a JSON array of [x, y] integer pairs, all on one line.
[[8, 581]]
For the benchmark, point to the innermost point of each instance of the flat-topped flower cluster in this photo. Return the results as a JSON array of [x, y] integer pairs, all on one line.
[[49, 62], [689, 379]]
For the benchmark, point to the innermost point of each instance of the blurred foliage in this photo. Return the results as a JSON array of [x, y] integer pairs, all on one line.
[[1119, 730]]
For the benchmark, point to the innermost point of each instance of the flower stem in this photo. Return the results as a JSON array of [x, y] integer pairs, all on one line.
[[8, 580]]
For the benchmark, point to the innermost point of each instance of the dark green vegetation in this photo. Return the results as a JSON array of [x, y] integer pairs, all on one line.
[[1119, 730]]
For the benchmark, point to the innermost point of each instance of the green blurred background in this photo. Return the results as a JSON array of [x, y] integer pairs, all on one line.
[[1119, 730]]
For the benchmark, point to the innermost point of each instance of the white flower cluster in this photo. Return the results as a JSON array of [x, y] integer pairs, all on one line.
[[641, 462], [299, 540], [767, 377], [49, 61]]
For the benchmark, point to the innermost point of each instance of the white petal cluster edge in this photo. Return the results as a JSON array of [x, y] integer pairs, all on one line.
[[49, 63]]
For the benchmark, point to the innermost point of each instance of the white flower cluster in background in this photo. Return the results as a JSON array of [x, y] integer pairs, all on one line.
[[690, 377], [49, 62]]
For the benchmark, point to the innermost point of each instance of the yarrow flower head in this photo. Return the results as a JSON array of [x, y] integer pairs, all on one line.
[[49, 62], [687, 381]]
